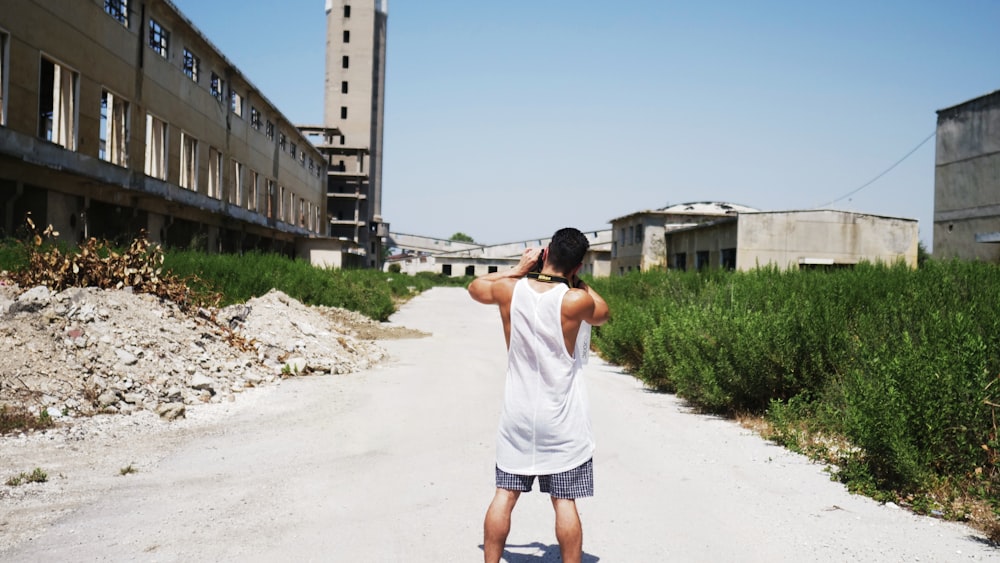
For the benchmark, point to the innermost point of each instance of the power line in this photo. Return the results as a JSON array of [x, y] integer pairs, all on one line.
[[884, 172]]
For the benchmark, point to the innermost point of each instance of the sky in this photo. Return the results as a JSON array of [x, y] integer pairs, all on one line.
[[508, 120]]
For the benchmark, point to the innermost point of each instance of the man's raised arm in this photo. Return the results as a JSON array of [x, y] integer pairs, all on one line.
[[483, 288]]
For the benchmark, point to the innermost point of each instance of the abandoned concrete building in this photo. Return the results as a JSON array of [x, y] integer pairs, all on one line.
[[967, 180], [729, 236], [120, 116]]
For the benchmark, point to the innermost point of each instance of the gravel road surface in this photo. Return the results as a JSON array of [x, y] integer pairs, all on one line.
[[396, 464]]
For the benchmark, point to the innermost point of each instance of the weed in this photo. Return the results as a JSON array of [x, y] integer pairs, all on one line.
[[36, 476], [128, 470], [16, 418]]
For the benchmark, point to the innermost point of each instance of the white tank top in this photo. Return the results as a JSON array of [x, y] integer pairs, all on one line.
[[544, 425]]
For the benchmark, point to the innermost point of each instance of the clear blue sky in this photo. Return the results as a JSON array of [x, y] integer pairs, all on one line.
[[507, 120]]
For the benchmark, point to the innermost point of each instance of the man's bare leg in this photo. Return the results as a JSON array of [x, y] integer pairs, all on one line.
[[497, 524], [569, 531]]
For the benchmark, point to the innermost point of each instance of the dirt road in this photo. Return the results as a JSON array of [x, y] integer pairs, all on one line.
[[395, 464]]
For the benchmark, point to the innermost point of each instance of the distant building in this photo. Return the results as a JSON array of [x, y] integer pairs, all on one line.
[[706, 235], [353, 123], [967, 180], [639, 239], [119, 115], [453, 258]]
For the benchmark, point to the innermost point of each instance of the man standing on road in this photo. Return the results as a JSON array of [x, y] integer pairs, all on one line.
[[545, 425]]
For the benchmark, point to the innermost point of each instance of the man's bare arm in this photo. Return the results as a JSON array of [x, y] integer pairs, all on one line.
[[593, 310], [483, 289]]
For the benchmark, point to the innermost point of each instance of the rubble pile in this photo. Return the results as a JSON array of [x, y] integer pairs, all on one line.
[[83, 351]]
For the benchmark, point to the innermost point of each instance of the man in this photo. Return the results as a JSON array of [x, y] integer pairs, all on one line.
[[544, 426]]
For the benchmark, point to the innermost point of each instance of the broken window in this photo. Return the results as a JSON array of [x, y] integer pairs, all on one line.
[[236, 103], [236, 196], [269, 196], [269, 130], [159, 38], [255, 118], [117, 9], [214, 173], [156, 147], [282, 141], [57, 104], [217, 86], [281, 203], [254, 194], [114, 129], [294, 150], [191, 64], [189, 162]]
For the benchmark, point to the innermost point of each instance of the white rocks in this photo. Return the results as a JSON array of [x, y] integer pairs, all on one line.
[[87, 350]]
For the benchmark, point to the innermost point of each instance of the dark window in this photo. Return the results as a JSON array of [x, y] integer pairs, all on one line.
[[470, 270], [446, 269], [345, 62], [118, 9], [728, 258], [680, 261], [701, 260], [282, 141], [491, 269], [347, 11], [347, 36], [255, 118], [343, 87], [269, 130], [343, 112]]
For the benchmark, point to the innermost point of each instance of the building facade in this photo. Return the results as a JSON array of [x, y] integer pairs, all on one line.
[[354, 108], [639, 239], [118, 116], [735, 237], [967, 180]]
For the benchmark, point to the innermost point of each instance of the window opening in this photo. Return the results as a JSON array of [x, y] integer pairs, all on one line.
[[294, 150], [343, 87], [217, 86], [343, 112], [255, 118], [189, 162], [214, 173], [347, 36], [236, 196], [114, 132], [345, 62], [156, 147], [57, 104], [347, 11], [3, 78], [282, 141], [236, 103], [159, 38], [117, 9], [269, 130], [254, 191], [191, 64]]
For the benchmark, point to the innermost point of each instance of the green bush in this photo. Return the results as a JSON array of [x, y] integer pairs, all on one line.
[[903, 363]]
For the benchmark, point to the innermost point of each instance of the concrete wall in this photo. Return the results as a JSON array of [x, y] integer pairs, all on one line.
[[788, 239], [107, 56], [967, 179]]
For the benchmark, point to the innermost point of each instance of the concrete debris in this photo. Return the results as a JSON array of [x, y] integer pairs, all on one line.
[[85, 351]]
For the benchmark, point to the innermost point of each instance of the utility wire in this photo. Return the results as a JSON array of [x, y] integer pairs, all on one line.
[[884, 172]]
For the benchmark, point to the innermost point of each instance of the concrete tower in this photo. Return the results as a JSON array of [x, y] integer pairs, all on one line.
[[354, 104]]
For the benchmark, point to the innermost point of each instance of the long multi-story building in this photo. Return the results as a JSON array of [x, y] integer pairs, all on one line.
[[118, 116], [353, 123]]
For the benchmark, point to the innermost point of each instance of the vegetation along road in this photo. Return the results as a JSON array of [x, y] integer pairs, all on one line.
[[396, 464]]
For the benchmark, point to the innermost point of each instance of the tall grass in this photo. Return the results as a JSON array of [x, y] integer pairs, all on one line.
[[901, 362]]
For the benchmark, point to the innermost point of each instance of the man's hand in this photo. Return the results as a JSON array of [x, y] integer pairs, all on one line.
[[486, 289]]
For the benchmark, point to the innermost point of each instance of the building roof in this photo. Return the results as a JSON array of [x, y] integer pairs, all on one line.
[[721, 208], [990, 100]]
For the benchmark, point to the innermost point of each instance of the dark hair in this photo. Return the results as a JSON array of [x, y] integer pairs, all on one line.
[[567, 249]]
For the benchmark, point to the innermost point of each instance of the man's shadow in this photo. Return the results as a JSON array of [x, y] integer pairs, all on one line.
[[537, 552]]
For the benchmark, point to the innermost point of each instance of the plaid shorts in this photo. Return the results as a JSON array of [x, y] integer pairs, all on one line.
[[575, 483]]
